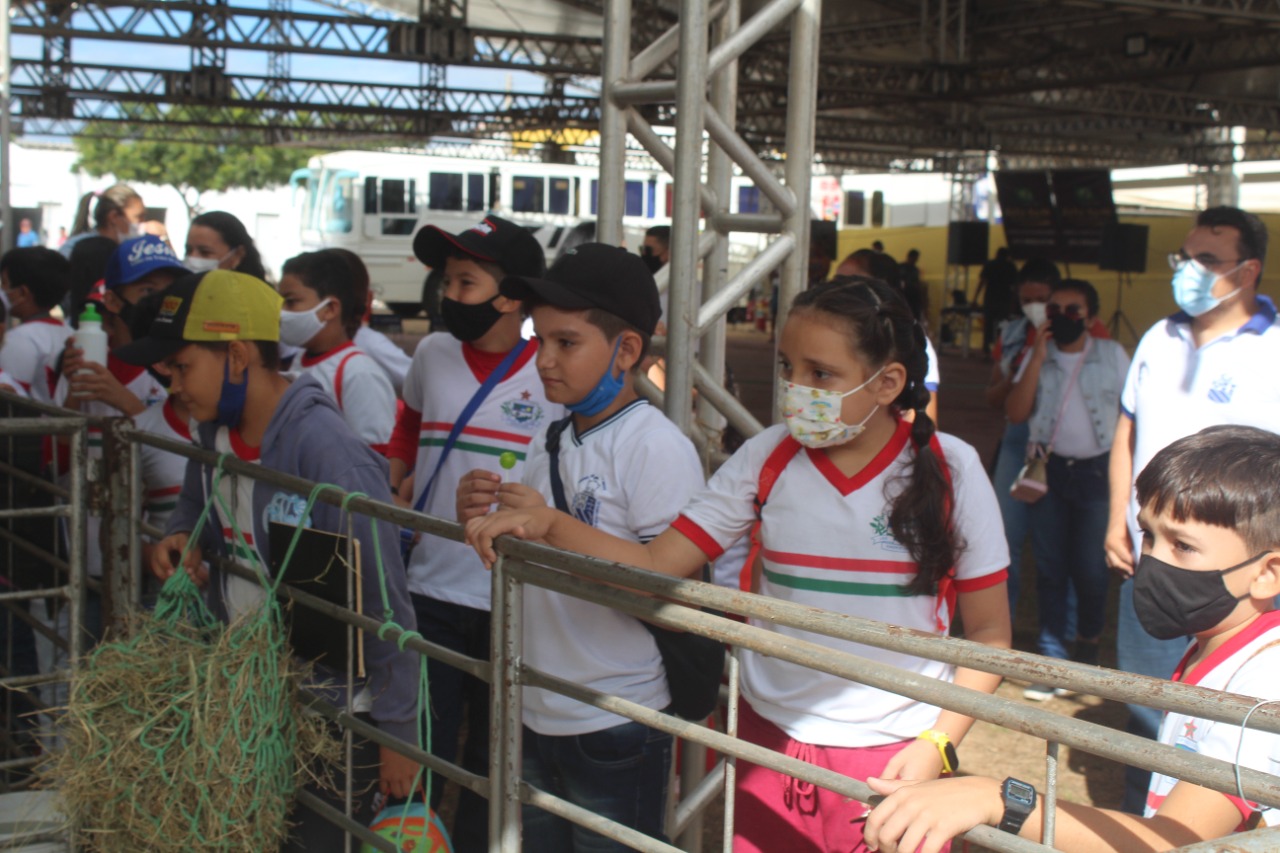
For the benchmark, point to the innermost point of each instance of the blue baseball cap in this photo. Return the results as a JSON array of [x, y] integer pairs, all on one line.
[[138, 257]]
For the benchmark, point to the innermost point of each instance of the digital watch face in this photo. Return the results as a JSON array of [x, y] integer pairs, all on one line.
[[1020, 792]]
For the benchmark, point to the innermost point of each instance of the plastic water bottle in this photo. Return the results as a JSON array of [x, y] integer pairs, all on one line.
[[91, 338]]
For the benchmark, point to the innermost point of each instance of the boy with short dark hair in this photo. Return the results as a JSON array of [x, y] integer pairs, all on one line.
[[482, 365], [1210, 568], [629, 471], [34, 280], [217, 334]]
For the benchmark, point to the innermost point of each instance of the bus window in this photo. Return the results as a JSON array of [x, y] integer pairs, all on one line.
[[370, 195], [337, 199], [559, 198], [651, 201], [595, 196], [526, 194], [634, 205], [393, 197], [855, 208], [749, 199], [444, 191], [475, 193]]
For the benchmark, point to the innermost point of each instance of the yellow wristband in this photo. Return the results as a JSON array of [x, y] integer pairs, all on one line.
[[950, 761]]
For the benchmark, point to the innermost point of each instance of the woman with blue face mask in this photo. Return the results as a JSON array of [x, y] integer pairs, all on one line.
[[217, 240]]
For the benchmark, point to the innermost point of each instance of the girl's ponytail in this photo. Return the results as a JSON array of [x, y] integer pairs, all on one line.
[[81, 223], [884, 329]]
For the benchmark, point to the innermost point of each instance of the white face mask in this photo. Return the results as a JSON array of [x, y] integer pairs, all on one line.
[[1035, 313], [298, 327], [195, 264], [813, 415]]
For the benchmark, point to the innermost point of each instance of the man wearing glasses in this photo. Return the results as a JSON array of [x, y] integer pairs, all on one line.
[[1213, 362]]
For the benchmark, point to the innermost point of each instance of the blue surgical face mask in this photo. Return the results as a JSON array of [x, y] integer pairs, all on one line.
[[231, 401], [1193, 287], [605, 392]]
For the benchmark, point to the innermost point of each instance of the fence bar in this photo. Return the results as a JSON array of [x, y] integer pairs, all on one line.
[[737, 414], [1258, 841], [754, 272], [1050, 817], [31, 548], [39, 483], [662, 152], [64, 425], [118, 523], [758, 223], [647, 92], [722, 133], [505, 725], [592, 821], [696, 800], [56, 511]]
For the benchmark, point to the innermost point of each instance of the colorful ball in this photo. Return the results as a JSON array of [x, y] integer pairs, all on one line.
[[414, 827]]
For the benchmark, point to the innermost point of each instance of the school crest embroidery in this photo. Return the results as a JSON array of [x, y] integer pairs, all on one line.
[[523, 414], [586, 506], [1223, 388], [882, 535], [1187, 740]]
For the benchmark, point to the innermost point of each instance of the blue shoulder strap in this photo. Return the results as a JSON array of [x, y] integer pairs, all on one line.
[[477, 398]]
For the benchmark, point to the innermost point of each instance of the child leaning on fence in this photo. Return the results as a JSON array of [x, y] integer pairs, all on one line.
[[870, 515], [1210, 567], [625, 469], [217, 335]]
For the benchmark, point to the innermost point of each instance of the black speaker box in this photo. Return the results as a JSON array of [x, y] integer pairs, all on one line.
[[1123, 248], [967, 243]]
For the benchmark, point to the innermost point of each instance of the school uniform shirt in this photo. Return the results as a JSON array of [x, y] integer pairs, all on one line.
[[10, 381], [393, 360], [1175, 389], [1245, 664], [162, 471], [362, 391], [142, 384], [30, 354], [629, 475], [236, 493], [443, 378], [827, 544]]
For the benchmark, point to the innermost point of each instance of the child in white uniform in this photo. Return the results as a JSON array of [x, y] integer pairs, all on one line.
[[871, 516], [323, 305], [597, 307], [34, 280]]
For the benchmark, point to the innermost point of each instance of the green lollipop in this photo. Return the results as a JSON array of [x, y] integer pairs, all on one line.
[[508, 460]]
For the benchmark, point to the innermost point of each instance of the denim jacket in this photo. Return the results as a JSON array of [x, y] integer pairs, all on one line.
[[1101, 381]]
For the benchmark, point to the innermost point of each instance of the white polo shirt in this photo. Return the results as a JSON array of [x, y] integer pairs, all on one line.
[[1175, 389], [30, 352], [827, 544], [393, 360], [162, 472], [360, 388], [629, 475]]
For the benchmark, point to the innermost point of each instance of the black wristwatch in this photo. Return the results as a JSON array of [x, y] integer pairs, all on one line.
[[1019, 802]]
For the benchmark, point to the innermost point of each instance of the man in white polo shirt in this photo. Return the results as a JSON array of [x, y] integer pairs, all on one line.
[[1213, 362]]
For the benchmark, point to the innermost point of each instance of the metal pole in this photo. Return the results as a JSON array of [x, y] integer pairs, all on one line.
[[690, 101], [613, 122], [505, 722], [76, 559], [6, 130], [802, 97], [118, 512]]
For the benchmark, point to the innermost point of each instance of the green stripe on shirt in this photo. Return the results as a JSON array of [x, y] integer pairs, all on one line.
[[474, 448], [881, 590]]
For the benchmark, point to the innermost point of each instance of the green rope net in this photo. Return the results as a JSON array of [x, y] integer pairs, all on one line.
[[186, 733]]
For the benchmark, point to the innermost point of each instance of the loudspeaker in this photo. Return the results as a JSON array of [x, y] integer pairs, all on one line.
[[967, 243], [1123, 248]]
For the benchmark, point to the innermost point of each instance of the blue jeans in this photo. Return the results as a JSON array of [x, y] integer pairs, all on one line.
[[457, 697], [1137, 651], [1068, 532], [619, 773]]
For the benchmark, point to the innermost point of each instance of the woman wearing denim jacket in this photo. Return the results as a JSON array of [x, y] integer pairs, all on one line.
[[1068, 389]]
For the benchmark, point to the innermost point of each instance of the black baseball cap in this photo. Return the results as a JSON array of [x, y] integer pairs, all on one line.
[[595, 275], [494, 239]]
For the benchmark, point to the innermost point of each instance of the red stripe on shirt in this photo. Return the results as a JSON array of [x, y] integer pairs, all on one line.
[[161, 493], [242, 450], [175, 423], [483, 363], [404, 438], [312, 360], [698, 537], [984, 582], [843, 564], [437, 426], [228, 533]]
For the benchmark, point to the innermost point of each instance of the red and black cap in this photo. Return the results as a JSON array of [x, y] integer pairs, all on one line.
[[512, 247]]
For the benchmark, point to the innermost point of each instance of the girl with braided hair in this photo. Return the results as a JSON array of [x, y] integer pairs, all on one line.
[[869, 514]]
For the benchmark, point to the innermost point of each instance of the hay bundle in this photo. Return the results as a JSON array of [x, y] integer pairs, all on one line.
[[186, 735]]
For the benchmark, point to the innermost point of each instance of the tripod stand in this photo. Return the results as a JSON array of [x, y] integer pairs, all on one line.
[[1123, 280]]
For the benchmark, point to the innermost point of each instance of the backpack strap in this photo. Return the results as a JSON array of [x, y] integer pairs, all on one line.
[[337, 378], [769, 473]]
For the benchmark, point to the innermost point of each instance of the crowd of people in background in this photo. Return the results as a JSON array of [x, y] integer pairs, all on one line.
[[854, 503]]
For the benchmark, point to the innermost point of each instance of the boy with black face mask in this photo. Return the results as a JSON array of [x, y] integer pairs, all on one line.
[[471, 397], [1210, 568]]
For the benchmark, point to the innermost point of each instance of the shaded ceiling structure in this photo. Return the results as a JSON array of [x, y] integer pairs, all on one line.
[[902, 84]]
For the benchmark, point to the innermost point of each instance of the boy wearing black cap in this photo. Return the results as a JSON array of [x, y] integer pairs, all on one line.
[[470, 396], [625, 469], [218, 333]]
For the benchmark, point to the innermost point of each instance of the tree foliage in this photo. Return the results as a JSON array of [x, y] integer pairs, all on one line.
[[151, 150]]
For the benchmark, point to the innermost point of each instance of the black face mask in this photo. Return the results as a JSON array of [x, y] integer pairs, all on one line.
[[1065, 330], [468, 322], [652, 261], [1171, 602]]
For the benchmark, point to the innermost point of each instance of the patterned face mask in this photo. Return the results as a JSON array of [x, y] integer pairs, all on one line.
[[813, 415]]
